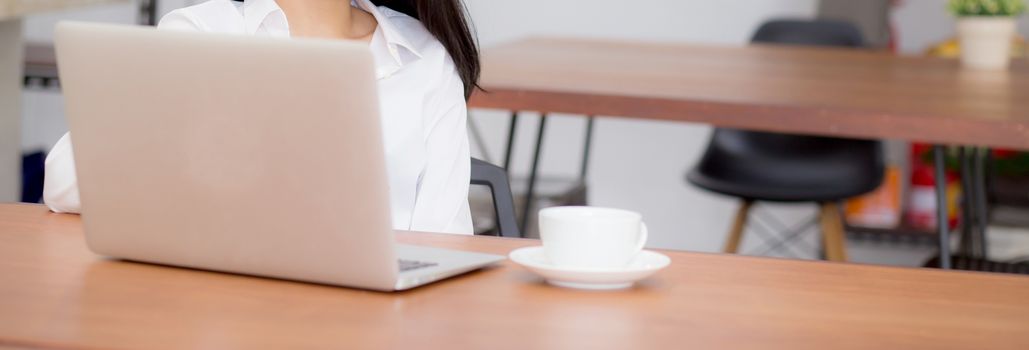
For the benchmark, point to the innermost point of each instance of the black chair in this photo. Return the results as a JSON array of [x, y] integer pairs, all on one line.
[[32, 166], [760, 166], [809, 33], [495, 177]]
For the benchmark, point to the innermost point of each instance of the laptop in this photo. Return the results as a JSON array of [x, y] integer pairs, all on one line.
[[238, 154]]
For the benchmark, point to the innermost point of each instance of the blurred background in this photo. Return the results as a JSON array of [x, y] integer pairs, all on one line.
[[679, 216]]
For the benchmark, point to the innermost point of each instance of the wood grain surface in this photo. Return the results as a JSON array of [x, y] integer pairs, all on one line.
[[56, 294], [819, 91]]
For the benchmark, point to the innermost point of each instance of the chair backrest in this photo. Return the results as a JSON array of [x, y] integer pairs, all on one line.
[[809, 32], [782, 147], [792, 32], [496, 179]]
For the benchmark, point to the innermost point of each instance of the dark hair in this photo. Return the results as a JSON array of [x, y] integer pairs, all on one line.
[[446, 20]]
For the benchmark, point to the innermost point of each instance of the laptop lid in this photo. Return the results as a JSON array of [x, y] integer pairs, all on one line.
[[241, 154]]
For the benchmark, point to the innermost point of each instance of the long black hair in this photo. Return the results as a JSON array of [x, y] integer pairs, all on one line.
[[447, 21]]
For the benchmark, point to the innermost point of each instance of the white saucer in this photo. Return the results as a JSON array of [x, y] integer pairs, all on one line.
[[646, 263]]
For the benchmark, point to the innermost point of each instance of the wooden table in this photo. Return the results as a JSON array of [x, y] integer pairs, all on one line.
[[800, 90], [11, 60], [56, 294], [820, 91]]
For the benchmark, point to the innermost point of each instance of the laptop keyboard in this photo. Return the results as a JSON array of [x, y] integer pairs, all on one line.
[[408, 265]]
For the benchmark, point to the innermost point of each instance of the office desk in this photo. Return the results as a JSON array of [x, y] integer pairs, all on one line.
[[789, 89], [56, 294], [11, 58]]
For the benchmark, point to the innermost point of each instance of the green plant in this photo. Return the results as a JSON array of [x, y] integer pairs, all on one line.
[[999, 8]]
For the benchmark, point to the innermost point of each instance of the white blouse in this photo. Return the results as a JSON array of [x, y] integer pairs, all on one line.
[[422, 107]]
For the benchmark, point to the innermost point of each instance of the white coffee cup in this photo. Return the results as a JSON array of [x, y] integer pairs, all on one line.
[[591, 237]]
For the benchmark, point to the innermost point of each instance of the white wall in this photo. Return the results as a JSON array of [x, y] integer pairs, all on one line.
[[921, 23], [636, 165], [728, 22]]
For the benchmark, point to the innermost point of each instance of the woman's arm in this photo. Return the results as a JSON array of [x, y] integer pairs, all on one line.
[[60, 184], [442, 200]]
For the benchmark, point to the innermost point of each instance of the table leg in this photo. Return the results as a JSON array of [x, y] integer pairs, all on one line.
[[586, 149], [531, 190], [942, 228], [11, 79], [510, 141], [967, 202], [982, 221]]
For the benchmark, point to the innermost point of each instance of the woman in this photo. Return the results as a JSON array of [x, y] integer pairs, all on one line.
[[426, 64]]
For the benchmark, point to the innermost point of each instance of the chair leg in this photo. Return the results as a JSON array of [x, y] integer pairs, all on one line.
[[833, 236], [732, 245]]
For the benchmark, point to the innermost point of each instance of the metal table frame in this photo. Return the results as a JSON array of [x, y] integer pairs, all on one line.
[[973, 168], [527, 207], [974, 206]]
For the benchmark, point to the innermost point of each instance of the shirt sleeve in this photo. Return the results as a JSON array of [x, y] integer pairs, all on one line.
[[442, 198], [60, 184], [180, 19]]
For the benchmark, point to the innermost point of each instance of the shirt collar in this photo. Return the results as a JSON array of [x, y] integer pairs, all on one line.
[[267, 12], [394, 37]]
